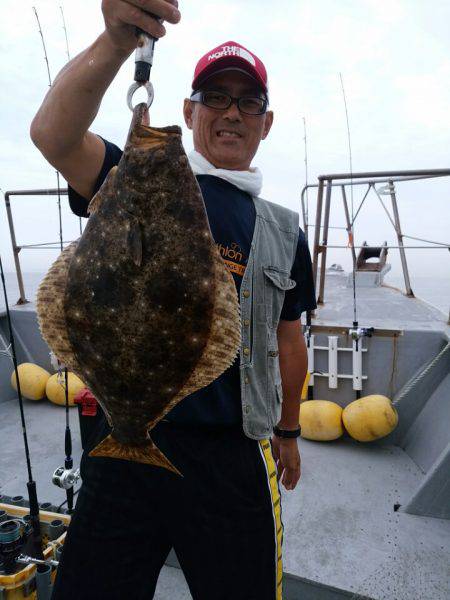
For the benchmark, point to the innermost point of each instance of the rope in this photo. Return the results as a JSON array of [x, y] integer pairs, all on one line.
[[418, 378], [7, 352]]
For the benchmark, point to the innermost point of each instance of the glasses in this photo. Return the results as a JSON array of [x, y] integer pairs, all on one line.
[[249, 105]]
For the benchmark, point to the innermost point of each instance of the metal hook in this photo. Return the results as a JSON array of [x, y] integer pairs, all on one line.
[[136, 85]]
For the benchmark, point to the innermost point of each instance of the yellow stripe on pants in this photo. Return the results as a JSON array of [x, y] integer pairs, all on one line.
[[271, 470]]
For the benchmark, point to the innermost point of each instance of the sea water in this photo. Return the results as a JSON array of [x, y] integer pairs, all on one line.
[[434, 290]]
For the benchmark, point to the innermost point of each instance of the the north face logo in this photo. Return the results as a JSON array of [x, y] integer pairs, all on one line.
[[233, 51]]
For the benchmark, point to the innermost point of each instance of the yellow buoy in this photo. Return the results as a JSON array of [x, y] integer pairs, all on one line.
[[56, 388], [370, 418], [321, 420], [33, 379]]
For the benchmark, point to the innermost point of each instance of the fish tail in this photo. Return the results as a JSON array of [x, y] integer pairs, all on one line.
[[147, 453]]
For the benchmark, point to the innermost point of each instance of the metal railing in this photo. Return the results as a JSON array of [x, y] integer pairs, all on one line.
[[16, 247], [324, 187], [370, 179]]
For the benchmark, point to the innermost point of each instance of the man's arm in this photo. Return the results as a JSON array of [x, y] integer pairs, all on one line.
[[293, 366], [60, 128]]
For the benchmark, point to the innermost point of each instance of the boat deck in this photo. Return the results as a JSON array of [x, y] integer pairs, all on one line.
[[384, 307], [45, 427], [342, 528], [340, 523]]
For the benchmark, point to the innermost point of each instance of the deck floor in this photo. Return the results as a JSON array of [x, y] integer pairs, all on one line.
[[46, 424], [385, 307], [340, 525]]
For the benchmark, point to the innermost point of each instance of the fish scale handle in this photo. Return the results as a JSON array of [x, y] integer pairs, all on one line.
[[144, 54]]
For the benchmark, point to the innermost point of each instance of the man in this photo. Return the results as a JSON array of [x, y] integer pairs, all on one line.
[[223, 517]]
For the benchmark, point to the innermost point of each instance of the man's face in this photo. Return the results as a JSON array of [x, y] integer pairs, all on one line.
[[212, 128]]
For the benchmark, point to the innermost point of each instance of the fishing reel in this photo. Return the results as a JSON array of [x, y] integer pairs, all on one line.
[[356, 333], [65, 478], [13, 536]]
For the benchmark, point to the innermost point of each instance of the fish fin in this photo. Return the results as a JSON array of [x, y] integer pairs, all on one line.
[[148, 453], [224, 337], [103, 192], [134, 239], [50, 309]]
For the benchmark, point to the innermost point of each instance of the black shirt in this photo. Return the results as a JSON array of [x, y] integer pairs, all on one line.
[[231, 215]]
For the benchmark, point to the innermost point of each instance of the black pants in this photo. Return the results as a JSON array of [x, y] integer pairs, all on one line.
[[223, 518]]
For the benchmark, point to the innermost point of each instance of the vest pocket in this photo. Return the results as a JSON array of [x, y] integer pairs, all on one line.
[[276, 283]]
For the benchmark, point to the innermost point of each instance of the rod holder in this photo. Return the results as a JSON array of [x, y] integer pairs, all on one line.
[[58, 552], [44, 584], [18, 501], [55, 529]]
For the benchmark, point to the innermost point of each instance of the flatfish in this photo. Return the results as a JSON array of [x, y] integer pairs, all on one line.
[[142, 306]]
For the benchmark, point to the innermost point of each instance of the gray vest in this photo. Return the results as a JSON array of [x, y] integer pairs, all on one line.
[[264, 284]]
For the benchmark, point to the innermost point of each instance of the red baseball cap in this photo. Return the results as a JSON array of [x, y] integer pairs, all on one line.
[[230, 55]]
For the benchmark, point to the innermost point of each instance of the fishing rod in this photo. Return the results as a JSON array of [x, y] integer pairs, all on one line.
[[14, 537], [306, 212], [65, 32], [308, 339], [65, 476], [351, 228], [43, 45], [80, 223], [356, 332]]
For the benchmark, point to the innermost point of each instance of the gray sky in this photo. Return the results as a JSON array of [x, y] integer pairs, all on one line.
[[395, 60]]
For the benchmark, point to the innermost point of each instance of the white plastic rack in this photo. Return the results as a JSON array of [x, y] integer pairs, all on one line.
[[332, 374]]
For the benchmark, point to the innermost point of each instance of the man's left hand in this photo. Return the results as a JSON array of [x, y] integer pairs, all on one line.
[[287, 458]]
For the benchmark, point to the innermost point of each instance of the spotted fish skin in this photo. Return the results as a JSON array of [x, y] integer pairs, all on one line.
[[150, 311]]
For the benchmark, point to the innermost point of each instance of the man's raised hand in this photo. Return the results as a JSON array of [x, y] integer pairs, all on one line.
[[123, 16]]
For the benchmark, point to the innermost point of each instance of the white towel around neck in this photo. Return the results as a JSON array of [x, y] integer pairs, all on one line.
[[248, 181]]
